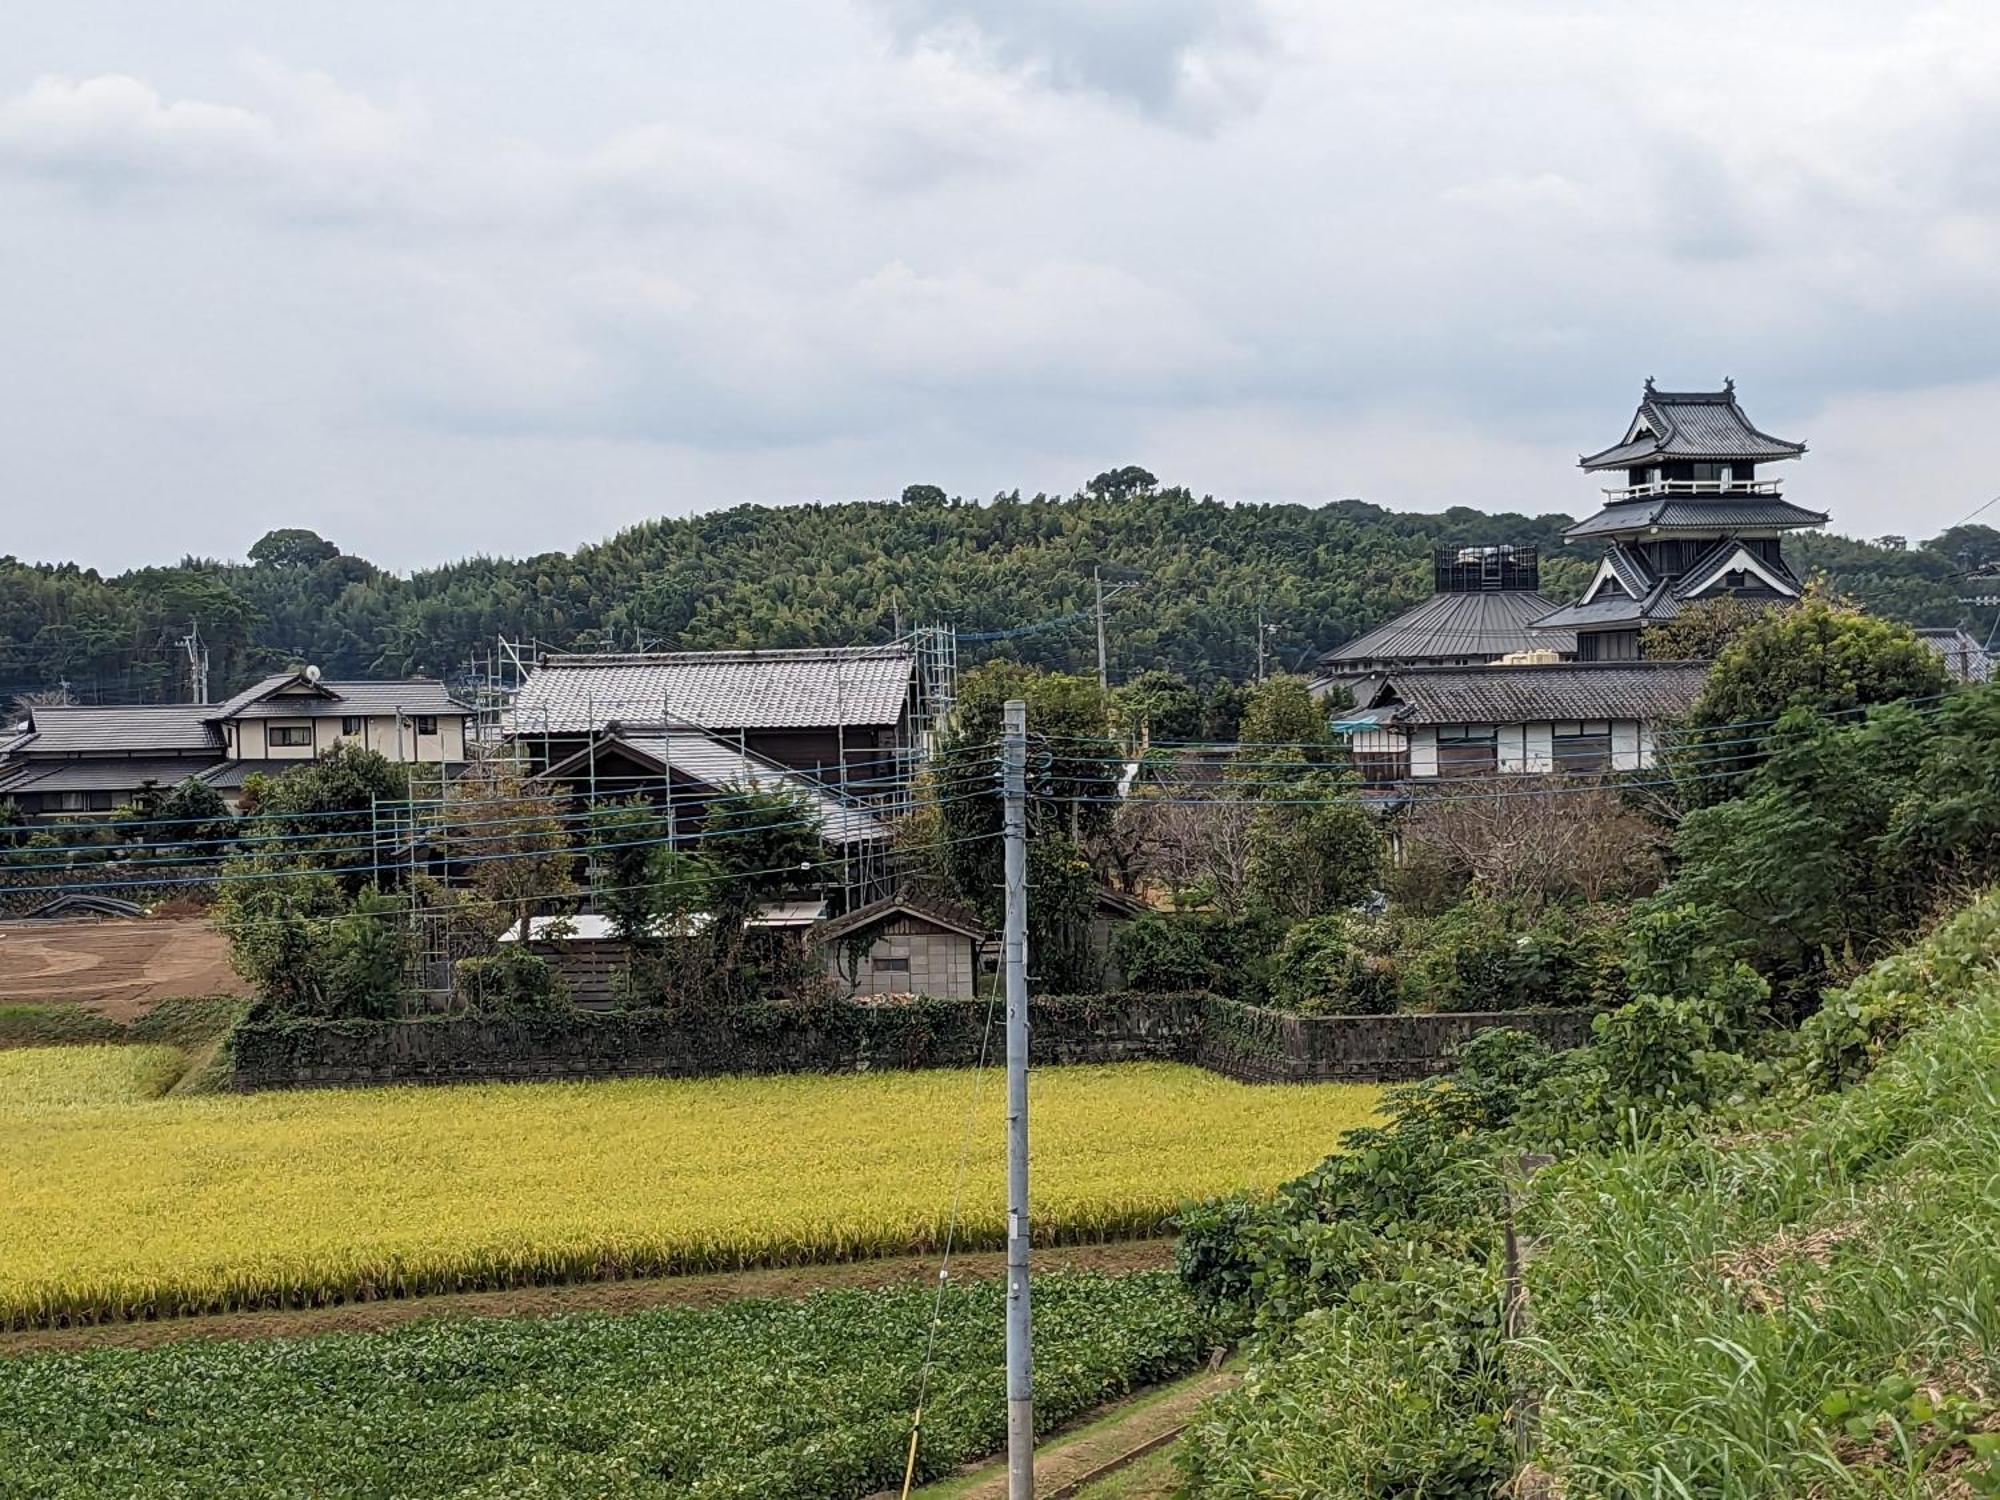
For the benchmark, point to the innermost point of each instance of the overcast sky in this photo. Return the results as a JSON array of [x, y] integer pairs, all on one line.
[[440, 278]]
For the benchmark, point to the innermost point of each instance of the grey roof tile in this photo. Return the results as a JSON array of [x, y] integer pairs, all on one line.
[[1491, 623], [110, 774], [416, 695], [1681, 513], [72, 730], [1965, 660], [1572, 690], [805, 689], [1692, 425]]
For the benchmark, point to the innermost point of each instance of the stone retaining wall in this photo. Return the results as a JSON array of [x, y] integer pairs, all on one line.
[[1241, 1041]]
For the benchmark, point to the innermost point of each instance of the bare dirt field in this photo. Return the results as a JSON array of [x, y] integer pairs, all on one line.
[[118, 968]]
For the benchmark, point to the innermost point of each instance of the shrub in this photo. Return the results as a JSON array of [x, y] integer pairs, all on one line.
[[1321, 971], [1162, 954], [510, 982]]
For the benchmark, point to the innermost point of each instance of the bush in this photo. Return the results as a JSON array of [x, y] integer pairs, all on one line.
[[1481, 955], [511, 982], [1322, 971], [1162, 954]]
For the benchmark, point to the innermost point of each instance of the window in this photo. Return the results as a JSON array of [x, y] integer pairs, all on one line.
[[427, 724], [103, 801], [1468, 750], [892, 966], [350, 724], [291, 734], [1581, 749], [1723, 473], [1381, 767], [1737, 579]]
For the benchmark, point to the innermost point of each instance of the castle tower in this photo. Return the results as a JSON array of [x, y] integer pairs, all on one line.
[[1692, 520]]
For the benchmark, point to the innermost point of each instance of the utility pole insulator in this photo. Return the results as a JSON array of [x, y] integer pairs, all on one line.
[[1020, 1351]]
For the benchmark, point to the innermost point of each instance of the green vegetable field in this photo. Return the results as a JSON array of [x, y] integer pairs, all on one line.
[[758, 1399]]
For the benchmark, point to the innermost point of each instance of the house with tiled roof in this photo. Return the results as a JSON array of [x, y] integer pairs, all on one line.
[[68, 760], [835, 713], [1697, 517], [1561, 718]]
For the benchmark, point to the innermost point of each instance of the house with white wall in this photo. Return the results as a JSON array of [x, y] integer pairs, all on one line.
[[70, 760], [1562, 718]]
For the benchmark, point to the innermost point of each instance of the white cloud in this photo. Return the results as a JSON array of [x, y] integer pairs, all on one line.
[[1424, 254]]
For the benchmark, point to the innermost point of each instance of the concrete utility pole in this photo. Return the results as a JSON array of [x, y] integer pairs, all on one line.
[[1103, 663], [1020, 1353], [1260, 643]]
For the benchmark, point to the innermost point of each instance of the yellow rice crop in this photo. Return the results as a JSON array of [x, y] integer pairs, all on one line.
[[41, 1080], [170, 1206]]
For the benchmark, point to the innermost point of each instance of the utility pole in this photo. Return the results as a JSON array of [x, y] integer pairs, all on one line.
[[1020, 1352], [197, 655], [1103, 664], [1260, 642]]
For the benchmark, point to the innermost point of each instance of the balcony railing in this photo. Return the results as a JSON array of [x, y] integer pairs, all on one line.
[[1695, 487]]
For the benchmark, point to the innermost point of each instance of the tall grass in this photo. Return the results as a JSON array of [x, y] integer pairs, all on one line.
[[1711, 1315]]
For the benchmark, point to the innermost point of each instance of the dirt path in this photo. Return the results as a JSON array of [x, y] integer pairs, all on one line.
[[1090, 1460], [596, 1296], [118, 968]]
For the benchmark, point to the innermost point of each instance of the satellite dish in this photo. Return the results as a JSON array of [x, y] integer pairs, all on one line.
[[312, 674]]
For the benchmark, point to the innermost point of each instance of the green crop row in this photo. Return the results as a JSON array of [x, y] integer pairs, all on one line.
[[765, 1399]]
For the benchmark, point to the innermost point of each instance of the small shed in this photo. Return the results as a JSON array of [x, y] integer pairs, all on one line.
[[592, 959], [903, 946]]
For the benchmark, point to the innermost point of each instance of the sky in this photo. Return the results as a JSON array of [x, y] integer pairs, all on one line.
[[447, 278]]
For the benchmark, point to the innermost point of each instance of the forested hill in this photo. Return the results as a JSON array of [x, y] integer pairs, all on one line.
[[818, 574]]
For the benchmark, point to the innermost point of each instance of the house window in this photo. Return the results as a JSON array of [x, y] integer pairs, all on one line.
[[350, 724], [889, 968], [1737, 579], [1581, 749], [427, 724], [291, 734], [1381, 767], [1468, 750], [103, 801]]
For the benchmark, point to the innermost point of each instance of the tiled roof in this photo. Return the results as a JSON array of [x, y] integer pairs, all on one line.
[[810, 689], [718, 764], [1680, 513], [1691, 425], [416, 695], [166, 727], [1572, 690], [105, 775], [230, 707], [1965, 660], [1491, 623], [944, 914]]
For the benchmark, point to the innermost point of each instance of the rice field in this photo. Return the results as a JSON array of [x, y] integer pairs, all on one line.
[[132, 1207]]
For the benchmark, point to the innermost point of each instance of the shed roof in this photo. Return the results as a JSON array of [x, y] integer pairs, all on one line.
[[102, 774], [1540, 694], [854, 686], [1691, 425]]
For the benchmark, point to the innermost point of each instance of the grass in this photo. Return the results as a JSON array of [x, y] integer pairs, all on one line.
[[198, 1025], [762, 1400], [173, 1206], [1808, 1309]]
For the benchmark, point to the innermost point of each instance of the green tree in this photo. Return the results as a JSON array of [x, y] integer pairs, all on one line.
[[1281, 712], [292, 547], [1703, 629], [193, 815], [1314, 849], [513, 841], [1822, 655], [321, 814], [1159, 706]]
